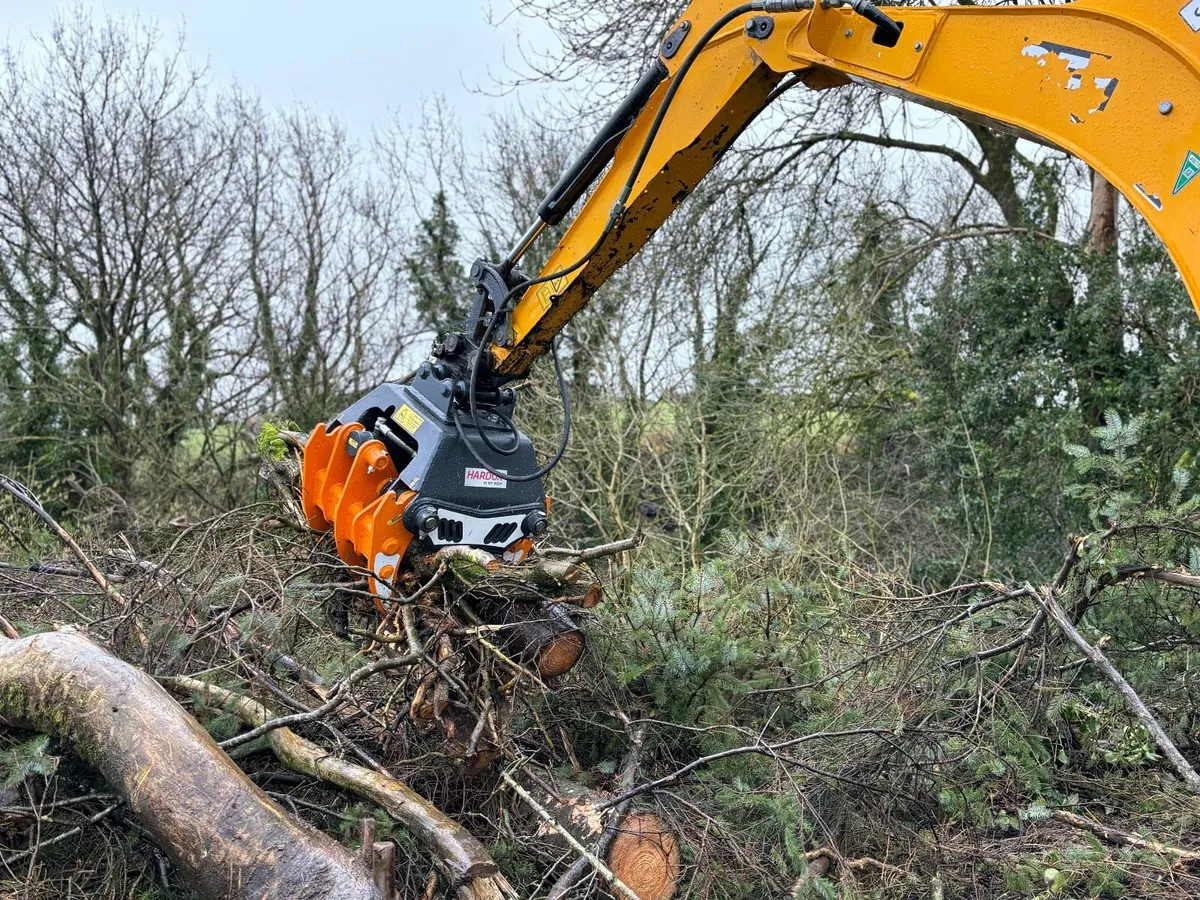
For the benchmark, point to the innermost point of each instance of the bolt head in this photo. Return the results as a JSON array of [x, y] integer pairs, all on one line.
[[849, 32], [1166, 107], [918, 46]]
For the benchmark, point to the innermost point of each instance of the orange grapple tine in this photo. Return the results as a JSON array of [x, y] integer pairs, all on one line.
[[380, 536], [317, 451], [331, 479], [349, 494], [370, 472]]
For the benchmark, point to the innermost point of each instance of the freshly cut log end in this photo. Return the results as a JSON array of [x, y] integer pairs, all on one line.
[[643, 853], [592, 596], [560, 655], [645, 856], [544, 637]]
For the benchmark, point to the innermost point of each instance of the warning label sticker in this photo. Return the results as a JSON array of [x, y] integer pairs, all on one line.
[[1191, 168], [407, 419]]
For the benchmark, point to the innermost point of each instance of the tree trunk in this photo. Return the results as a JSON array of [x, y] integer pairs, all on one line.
[[227, 837], [999, 178], [1102, 234]]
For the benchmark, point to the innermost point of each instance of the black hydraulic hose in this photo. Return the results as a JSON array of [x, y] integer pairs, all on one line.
[[614, 216], [564, 395], [890, 29]]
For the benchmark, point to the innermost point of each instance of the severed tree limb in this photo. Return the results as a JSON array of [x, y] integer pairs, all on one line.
[[1123, 838], [337, 697], [1158, 573], [581, 556], [228, 839], [1101, 662], [462, 859], [468, 562]]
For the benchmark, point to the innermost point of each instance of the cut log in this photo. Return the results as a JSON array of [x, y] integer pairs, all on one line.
[[645, 853], [228, 839], [556, 572], [587, 596], [529, 602], [544, 636]]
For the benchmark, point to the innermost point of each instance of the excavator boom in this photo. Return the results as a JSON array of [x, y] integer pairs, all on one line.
[[438, 461], [1114, 82]]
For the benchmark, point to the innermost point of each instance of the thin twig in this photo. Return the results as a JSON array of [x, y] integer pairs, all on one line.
[[23, 495], [764, 749], [1124, 838], [22, 854], [338, 696]]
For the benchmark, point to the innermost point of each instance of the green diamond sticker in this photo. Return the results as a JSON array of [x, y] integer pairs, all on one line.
[[1191, 168]]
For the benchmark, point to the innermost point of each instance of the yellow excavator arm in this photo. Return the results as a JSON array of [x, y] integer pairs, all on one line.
[[1114, 82], [438, 462]]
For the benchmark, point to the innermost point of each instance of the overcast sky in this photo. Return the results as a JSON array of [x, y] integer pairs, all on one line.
[[357, 59]]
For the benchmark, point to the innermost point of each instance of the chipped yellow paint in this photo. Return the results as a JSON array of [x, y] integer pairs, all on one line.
[[979, 63]]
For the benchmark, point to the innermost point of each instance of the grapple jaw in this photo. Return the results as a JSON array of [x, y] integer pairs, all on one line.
[[391, 472]]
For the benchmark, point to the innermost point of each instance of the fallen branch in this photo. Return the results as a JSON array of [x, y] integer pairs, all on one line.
[[1122, 838], [40, 568], [763, 749], [339, 695], [228, 839], [1158, 573], [1101, 662], [460, 857], [581, 556], [22, 495]]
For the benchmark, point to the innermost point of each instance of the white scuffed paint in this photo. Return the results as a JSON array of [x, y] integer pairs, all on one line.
[[1075, 61], [1075, 82], [1154, 199]]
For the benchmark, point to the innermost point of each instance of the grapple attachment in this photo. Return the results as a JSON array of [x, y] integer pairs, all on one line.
[[395, 470]]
